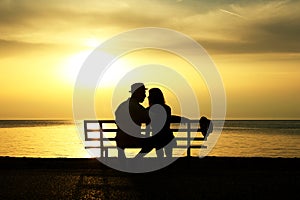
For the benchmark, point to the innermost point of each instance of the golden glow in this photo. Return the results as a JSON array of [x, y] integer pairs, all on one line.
[[41, 54]]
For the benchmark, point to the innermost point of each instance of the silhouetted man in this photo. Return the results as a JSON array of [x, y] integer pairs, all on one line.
[[129, 117]]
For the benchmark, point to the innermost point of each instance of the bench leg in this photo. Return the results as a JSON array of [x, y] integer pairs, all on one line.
[[189, 152], [106, 152]]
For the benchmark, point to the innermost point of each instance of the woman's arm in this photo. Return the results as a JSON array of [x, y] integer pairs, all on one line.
[[177, 119]]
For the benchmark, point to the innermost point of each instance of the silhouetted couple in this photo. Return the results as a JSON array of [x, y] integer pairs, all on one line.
[[130, 115]]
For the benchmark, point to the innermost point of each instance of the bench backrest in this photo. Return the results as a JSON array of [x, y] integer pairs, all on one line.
[[101, 134]]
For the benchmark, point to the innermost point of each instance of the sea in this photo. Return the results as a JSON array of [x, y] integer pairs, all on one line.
[[61, 139]]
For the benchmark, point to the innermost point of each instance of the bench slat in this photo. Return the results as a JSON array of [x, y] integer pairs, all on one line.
[[176, 138], [142, 130], [103, 130], [178, 147]]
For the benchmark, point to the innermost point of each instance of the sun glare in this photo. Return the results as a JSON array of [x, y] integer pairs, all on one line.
[[114, 73], [72, 66], [92, 42], [109, 78]]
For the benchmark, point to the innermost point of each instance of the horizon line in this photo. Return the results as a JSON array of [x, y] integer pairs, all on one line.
[[71, 119]]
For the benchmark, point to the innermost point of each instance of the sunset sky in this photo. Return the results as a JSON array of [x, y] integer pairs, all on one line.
[[255, 45]]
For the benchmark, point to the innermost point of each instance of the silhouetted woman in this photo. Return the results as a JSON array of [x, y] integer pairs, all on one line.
[[160, 115]]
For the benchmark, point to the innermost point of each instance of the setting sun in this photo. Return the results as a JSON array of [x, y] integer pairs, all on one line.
[[72, 66], [92, 42]]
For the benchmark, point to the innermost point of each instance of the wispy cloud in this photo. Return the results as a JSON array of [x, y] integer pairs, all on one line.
[[232, 13], [237, 26]]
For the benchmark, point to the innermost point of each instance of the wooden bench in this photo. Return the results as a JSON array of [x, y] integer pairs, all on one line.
[[100, 134]]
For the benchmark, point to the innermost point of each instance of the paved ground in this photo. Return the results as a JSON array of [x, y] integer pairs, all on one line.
[[221, 178]]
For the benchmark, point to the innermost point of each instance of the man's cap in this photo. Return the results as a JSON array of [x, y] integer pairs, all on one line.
[[136, 86]]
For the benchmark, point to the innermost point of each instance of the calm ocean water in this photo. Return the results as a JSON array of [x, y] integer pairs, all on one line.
[[239, 138]]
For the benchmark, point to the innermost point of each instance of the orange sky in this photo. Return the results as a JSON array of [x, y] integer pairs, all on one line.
[[254, 44]]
